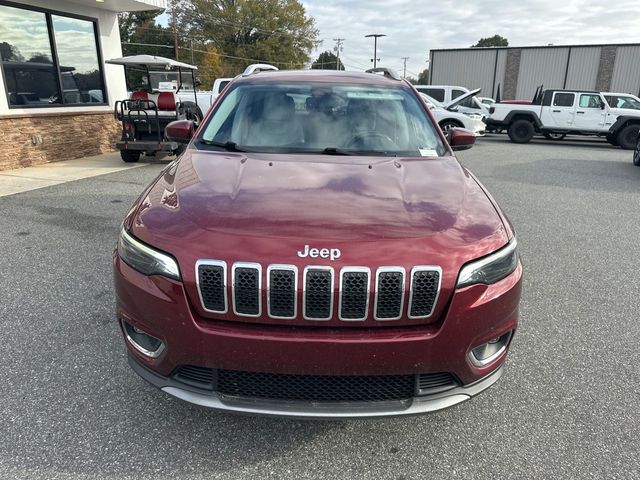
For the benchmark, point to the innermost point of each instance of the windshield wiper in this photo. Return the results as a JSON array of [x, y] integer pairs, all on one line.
[[228, 146], [341, 151], [337, 151]]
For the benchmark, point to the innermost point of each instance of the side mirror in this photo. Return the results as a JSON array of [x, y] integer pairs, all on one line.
[[602, 106], [179, 131], [461, 139]]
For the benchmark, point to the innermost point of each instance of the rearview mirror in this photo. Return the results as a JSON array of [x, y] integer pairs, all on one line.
[[179, 131], [460, 139]]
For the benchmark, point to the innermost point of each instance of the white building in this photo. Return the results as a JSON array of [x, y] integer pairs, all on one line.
[[57, 94]]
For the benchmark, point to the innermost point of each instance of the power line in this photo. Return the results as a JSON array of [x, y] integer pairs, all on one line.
[[212, 53]]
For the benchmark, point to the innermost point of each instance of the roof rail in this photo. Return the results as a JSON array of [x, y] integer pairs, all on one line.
[[389, 73], [258, 67]]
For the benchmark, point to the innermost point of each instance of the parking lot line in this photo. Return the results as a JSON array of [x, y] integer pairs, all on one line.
[[31, 178]]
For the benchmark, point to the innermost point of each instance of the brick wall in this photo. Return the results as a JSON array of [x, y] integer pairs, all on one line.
[[65, 136]]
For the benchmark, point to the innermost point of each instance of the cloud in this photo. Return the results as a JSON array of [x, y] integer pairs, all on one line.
[[413, 28]]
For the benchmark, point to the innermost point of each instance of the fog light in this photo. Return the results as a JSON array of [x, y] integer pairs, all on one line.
[[146, 344], [488, 352]]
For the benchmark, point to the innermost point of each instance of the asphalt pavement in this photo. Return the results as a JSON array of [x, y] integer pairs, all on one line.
[[567, 406]]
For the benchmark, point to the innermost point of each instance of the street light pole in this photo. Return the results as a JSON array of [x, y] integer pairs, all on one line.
[[375, 46]]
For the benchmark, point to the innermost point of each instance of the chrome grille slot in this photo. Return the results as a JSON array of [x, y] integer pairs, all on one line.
[[211, 276], [354, 293], [247, 284], [389, 293], [425, 287], [318, 293], [282, 283]]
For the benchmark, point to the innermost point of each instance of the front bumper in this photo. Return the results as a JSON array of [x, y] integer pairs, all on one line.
[[256, 406], [474, 316]]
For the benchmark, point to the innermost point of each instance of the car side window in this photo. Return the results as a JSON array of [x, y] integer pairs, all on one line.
[[563, 99], [455, 93], [590, 101], [437, 93]]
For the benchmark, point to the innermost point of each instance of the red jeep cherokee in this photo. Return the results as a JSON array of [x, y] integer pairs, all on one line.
[[318, 251]]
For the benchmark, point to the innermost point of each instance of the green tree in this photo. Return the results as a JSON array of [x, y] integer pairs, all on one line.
[[327, 61], [495, 41], [423, 78], [140, 34], [273, 31], [10, 53]]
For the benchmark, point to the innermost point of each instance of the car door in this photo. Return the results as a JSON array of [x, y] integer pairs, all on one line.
[[590, 113], [560, 114]]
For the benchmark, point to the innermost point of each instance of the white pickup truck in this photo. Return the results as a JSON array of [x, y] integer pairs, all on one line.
[[168, 81], [556, 113]]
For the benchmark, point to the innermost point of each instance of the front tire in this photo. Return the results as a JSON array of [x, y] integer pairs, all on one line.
[[130, 156], [447, 125], [521, 131], [628, 137]]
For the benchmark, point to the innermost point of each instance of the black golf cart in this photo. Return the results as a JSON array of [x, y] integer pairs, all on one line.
[[147, 111]]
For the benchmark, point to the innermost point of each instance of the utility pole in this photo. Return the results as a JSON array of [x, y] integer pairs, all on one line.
[[375, 46], [404, 75], [174, 21], [337, 49]]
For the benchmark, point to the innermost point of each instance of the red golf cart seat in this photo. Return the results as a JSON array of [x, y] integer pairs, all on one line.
[[167, 101], [140, 95]]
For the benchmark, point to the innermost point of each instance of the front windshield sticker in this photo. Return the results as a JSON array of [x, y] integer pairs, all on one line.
[[428, 153]]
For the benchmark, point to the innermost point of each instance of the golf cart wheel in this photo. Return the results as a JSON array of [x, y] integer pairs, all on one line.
[[130, 156], [554, 136], [628, 137], [521, 131]]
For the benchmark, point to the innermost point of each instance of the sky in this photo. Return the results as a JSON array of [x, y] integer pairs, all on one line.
[[413, 27]]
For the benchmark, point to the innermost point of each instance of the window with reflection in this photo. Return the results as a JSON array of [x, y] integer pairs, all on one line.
[[49, 59]]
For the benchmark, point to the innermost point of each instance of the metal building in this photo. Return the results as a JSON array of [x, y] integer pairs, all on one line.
[[520, 70]]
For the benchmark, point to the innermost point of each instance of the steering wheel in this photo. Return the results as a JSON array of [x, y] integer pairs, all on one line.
[[380, 141]]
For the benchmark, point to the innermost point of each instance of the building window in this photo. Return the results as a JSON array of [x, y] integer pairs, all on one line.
[[49, 59]]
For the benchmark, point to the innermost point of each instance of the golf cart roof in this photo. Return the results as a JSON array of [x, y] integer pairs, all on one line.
[[150, 62]]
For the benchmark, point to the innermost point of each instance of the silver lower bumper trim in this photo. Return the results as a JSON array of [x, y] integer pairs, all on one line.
[[424, 404]]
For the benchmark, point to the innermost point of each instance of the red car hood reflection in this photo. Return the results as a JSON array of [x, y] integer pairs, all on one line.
[[319, 198]]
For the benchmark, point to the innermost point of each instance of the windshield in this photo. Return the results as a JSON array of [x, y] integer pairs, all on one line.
[[170, 81], [322, 118], [623, 101]]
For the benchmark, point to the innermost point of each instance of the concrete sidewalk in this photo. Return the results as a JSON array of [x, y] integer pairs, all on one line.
[[31, 178]]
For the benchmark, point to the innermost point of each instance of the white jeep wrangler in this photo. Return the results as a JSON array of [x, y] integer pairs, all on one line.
[[556, 113]]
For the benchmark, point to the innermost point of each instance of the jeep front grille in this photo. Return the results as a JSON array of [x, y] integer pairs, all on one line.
[[354, 287]]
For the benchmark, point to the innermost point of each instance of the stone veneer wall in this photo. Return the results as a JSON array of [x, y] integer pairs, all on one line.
[[65, 136]]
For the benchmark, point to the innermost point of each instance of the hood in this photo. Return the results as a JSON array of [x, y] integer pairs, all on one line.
[[625, 112], [329, 198], [458, 100]]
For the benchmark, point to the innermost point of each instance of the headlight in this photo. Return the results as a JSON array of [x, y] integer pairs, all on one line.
[[491, 268], [145, 259]]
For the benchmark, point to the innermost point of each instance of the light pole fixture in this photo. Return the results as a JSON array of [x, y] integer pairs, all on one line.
[[375, 46]]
